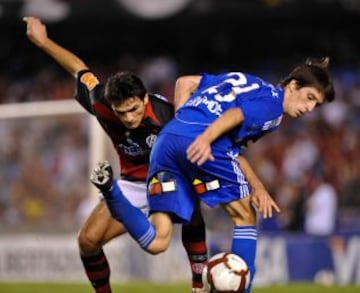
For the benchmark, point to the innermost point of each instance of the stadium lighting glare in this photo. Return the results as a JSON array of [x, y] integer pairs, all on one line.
[[154, 9]]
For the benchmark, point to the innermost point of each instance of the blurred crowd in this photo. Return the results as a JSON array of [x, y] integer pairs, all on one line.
[[43, 173], [311, 165]]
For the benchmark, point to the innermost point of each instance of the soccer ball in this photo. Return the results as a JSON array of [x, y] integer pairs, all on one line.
[[226, 272]]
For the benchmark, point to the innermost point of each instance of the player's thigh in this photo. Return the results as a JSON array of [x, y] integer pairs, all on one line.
[[100, 227], [241, 211]]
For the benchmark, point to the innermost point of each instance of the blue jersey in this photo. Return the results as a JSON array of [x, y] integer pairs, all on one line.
[[174, 183], [260, 102]]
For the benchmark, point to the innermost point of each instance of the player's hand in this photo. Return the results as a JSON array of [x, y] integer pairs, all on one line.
[[199, 151], [263, 202], [36, 30]]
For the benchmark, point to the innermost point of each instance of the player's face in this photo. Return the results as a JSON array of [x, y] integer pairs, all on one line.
[[299, 101], [131, 111]]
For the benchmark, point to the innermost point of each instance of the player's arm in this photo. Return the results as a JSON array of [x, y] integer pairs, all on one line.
[[185, 86], [200, 149], [261, 199], [37, 34]]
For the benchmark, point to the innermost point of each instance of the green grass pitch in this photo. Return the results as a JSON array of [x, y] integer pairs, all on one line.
[[163, 288]]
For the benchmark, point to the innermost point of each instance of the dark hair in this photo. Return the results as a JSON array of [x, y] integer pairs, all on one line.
[[124, 85], [314, 72]]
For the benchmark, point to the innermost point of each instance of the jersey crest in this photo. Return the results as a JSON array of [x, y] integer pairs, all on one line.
[[150, 140], [89, 80]]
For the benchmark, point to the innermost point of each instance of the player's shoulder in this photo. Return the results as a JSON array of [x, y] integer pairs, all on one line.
[[265, 88], [160, 101], [271, 102], [162, 108], [158, 97]]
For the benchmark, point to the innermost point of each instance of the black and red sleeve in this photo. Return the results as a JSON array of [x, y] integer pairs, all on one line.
[[88, 90]]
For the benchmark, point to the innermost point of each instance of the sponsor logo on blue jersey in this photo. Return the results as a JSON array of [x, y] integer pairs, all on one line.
[[213, 106]]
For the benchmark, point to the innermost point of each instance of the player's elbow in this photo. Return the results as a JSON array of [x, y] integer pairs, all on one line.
[[185, 86]]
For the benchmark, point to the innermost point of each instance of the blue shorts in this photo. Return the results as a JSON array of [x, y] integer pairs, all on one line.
[[175, 184]]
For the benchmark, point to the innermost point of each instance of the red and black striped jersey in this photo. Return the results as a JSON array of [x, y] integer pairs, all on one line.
[[132, 145]]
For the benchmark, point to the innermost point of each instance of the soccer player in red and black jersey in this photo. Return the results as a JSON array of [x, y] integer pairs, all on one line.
[[132, 118]]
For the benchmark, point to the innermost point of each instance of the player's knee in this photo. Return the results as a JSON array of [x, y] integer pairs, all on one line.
[[248, 216], [249, 220], [88, 243], [155, 251], [157, 247], [241, 212], [163, 226], [160, 243]]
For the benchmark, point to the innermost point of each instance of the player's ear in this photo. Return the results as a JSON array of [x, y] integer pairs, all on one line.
[[293, 85], [146, 99]]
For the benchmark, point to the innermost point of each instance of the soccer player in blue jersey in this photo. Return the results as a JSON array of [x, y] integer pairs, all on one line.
[[196, 154]]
